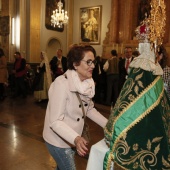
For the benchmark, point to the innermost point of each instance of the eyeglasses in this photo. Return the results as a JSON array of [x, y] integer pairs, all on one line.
[[89, 62]]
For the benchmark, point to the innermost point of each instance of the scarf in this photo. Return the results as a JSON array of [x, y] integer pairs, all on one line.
[[85, 87]]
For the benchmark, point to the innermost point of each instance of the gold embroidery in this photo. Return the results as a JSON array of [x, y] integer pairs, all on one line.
[[121, 105], [135, 147], [140, 117], [110, 161], [143, 156], [165, 162]]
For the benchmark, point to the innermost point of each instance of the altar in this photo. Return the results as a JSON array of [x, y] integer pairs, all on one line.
[[96, 156]]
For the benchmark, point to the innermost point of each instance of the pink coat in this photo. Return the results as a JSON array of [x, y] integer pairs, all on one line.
[[64, 118], [3, 70]]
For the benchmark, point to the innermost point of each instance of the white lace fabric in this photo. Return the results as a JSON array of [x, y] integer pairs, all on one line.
[[146, 60]]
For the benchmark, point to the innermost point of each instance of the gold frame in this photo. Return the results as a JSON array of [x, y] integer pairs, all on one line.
[[90, 24]]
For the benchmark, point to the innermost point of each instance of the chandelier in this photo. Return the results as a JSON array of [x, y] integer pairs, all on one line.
[[59, 17]]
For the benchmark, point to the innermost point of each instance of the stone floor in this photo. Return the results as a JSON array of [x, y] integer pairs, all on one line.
[[21, 143]]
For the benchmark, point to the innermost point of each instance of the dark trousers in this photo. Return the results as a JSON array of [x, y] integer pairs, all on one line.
[[2, 90], [112, 88], [20, 86]]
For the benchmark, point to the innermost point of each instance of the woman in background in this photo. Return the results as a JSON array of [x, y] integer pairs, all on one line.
[[3, 73], [42, 79]]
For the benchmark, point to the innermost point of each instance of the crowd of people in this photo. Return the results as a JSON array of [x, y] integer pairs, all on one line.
[[22, 79], [113, 72], [109, 75]]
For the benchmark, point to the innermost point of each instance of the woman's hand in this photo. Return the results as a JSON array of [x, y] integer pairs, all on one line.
[[81, 145]]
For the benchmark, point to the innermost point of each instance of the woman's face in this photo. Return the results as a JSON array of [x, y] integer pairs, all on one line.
[[85, 70]]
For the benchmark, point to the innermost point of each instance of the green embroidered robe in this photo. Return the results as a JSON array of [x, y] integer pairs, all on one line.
[[138, 129]]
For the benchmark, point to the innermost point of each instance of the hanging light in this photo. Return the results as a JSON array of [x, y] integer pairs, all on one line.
[[59, 17]]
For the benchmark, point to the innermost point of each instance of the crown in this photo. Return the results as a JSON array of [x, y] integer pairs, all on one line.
[[152, 28], [143, 30]]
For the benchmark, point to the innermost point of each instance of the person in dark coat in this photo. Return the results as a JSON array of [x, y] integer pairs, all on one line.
[[112, 72], [3, 74], [58, 64], [124, 66], [19, 71], [99, 77]]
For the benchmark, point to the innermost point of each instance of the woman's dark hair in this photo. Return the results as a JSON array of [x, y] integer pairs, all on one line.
[[1, 52], [77, 53]]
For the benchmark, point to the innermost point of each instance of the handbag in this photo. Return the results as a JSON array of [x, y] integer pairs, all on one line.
[[85, 132]]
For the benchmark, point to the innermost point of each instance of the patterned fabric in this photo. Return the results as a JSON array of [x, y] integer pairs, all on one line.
[[85, 87], [146, 60], [138, 128]]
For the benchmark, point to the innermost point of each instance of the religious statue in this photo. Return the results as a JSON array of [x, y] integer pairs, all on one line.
[[138, 129]]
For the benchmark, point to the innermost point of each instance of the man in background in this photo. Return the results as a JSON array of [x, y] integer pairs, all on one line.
[[58, 64], [19, 70], [124, 66], [99, 77], [112, 72]]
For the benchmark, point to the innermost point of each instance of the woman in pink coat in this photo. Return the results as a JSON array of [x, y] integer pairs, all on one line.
[[64, 119]]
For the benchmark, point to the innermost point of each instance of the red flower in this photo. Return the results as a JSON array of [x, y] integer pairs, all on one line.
[[143, 29]]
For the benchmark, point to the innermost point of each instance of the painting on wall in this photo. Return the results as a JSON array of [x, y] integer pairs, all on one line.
[[4, 25], [90, 24], [51, 5]]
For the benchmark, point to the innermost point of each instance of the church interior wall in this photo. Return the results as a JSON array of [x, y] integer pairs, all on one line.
[[106, 13], [118, 22]]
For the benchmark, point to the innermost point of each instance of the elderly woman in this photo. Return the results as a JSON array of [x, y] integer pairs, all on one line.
[[64, 119]]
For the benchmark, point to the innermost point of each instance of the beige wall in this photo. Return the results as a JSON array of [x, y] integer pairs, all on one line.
[[71, 32], [51, 40], [117, 27], [106, 13]]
